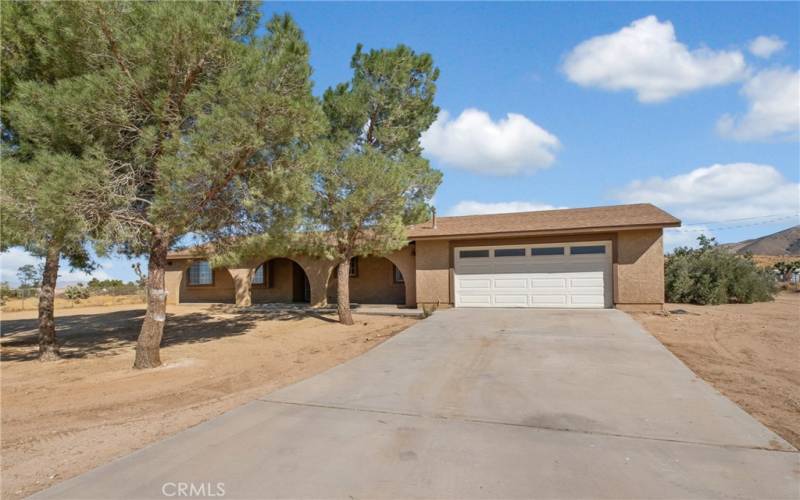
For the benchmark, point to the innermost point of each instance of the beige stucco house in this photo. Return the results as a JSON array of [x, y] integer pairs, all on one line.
[[597, 257]]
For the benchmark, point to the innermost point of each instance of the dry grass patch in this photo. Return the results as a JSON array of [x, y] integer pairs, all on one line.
[[61, 419], [749, 352], [32, 303]]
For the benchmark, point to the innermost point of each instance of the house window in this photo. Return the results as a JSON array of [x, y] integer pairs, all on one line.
[[200, 274], [258, 276], [590, 249], [547, 251], [397, 276], [471, 254], [354, 267], [509, 252]]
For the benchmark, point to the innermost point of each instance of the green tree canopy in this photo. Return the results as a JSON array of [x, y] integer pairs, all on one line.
[[370, 179], [200, 122], [48, 174]]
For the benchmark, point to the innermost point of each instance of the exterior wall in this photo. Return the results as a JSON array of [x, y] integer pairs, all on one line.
[[318, 271], [223, 289], [639, 270], [427, 267], [173, 278], [433, 272], [281, 291], [637, 274], [373, 285]]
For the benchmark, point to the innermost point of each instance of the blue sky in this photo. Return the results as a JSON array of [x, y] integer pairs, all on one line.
[[583, 104]]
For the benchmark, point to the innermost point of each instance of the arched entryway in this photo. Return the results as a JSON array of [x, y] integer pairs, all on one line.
[[373, 280], [279, 280]]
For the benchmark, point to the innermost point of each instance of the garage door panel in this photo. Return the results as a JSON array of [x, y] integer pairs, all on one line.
[[511, 300], [586, 282], [476, 300], [587, 299], [548, 300], [475, 283], [580, 281], [548, 283], [512, 283]]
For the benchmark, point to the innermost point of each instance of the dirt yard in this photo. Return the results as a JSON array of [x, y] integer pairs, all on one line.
[[60, 419], [32, 303], [748, 352]]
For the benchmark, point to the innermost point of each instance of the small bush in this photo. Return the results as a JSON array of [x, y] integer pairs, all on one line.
[[712, 275], [112, 287], [76, 292]]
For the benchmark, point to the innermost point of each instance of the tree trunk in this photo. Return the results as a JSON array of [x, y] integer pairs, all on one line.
[[148, 344], [343, 293], [48, 347]]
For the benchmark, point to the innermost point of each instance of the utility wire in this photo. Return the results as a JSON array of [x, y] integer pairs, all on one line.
[[726, 225]]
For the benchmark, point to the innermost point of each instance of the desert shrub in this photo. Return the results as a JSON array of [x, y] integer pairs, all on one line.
[[5, 291], [112, 287], [76, 292], [713, 275]]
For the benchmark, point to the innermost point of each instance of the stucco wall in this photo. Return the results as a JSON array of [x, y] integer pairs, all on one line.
[[222, 290], [639, 268], [373, 285], [433, 272], [638, 265], [281, 291]]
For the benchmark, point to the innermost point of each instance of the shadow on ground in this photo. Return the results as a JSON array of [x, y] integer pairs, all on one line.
[[105, 334]]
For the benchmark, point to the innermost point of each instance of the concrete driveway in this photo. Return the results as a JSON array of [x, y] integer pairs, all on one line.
[[476, 404]]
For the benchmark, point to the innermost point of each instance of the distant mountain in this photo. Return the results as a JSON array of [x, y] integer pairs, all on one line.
[[786, 242]]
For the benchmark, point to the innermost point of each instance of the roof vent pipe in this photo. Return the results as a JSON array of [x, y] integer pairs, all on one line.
[[433, 210]]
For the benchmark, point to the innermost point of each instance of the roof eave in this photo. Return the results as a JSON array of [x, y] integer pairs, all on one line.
[[544, 232]]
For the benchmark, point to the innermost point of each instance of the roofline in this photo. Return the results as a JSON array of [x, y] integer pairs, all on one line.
[[544, 232], [505, 234]]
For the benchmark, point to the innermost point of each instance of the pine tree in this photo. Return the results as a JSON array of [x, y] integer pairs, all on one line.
[[371, 180], [46, 178], [200, 122]]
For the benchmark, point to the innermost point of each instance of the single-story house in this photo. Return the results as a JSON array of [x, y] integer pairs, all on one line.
[[599, 257]]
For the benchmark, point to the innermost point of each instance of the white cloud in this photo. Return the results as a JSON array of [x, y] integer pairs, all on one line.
[[685, 236], [646, 57], [718, 192], [765, 46], [15, 258], [477, 207], [474, 142], [774, 108], [12, 260]]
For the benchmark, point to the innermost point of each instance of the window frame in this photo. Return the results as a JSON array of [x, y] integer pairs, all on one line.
[[524, 252], [395, 274], [263, 284], [354, 267], [461, 252], [189, 275], [588, 245], [563, 249]]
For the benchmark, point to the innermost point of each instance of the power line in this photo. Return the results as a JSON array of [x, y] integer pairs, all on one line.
[[723, 226], [783, 215]]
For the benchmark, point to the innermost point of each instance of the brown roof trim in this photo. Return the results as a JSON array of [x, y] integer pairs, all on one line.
[[546, 232], [509, 225]]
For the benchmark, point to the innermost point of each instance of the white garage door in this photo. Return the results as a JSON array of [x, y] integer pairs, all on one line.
[[569, 275]]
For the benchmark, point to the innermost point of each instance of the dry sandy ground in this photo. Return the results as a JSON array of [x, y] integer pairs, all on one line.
[[748, 352], [60, 419], [32, 303]]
